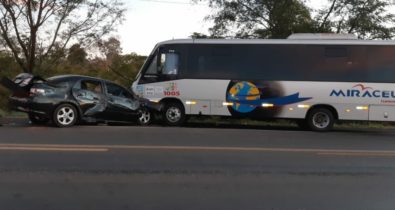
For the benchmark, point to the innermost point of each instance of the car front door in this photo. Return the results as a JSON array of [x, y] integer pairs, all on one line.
[[122, 106]]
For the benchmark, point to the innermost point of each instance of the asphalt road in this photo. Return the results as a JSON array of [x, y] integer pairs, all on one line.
[[130, 167]]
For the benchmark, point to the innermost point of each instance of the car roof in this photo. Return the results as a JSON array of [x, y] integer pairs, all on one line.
[[77, 77]]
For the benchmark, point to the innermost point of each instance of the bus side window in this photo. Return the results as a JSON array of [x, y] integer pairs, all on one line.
[[169, 64]]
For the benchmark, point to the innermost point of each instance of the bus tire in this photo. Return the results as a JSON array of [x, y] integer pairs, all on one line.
[[174, 114], [320, 119]]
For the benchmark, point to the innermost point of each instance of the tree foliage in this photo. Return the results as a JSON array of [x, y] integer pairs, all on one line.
[[260, 18], [34, 29], [110, 48], [368, 19], [77, 55]]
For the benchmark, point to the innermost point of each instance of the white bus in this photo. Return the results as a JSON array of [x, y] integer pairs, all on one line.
[[315, 81]]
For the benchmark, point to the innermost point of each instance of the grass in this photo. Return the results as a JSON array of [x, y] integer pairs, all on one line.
[[364, 124], [218, 121], [2, 113], [8, 114], [247, 122]]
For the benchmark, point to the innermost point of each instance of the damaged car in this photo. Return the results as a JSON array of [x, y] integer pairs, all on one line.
[[69, 99]]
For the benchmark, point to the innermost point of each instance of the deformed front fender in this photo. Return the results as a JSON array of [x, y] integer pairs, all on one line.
[[151, 105]]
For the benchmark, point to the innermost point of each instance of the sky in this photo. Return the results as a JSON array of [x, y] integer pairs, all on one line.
[[148, 22]]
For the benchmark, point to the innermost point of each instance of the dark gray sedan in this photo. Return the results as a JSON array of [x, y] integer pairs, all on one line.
[[69, 99]]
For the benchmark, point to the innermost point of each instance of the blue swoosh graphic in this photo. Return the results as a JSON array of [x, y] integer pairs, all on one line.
[[291, 99]]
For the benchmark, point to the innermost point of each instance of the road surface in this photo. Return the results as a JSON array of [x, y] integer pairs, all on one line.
[[131, 167]]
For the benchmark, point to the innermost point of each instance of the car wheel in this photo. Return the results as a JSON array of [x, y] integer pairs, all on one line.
[[65, 116], [37, 120], [174, 114], [320, 119], [144, 117]]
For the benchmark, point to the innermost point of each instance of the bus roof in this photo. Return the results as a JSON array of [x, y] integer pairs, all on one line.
[[279, 41]]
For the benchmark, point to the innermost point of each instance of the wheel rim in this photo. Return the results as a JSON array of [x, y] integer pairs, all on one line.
[[321, 120], [173, 114], [65, 116], [145, 117]]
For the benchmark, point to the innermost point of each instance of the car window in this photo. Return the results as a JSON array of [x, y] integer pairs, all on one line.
[[116, 90], [94, 86]]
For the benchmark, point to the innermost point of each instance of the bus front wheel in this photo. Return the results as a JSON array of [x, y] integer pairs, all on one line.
[[174, 114], [320, 119]]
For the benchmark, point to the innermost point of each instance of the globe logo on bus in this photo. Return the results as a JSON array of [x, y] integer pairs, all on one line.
[[243, 91]]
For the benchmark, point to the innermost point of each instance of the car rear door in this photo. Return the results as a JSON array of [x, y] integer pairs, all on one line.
[[89, 94]]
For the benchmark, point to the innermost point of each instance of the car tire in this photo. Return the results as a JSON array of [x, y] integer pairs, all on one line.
[[65, 116], [145, 117], [174, 114], [320, 119], [37, 119]]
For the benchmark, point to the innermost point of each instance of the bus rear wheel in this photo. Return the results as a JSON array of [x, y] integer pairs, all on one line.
[[320, 119], [174, 114]]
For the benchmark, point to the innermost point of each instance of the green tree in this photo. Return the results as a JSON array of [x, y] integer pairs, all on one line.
[[124, 68], [197, 35], [8, 68], [260, 18], [368, 19], [34, 29], [110, 48], [118, 67], [76, 55]]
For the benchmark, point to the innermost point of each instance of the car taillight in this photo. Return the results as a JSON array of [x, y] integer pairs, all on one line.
[[40, 91]]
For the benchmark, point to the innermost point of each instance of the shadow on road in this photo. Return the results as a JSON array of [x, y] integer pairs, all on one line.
[[22, 122]]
